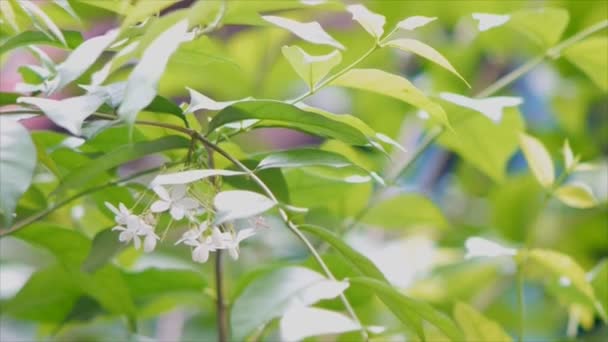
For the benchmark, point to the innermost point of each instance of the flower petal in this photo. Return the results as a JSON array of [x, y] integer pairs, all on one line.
[[162, 192], [234, 252], [159, 206], [149, 243], [245, 233], [200, 253], [177, 213], [112, 208], [137, 242], [178, 191], [187, 203]]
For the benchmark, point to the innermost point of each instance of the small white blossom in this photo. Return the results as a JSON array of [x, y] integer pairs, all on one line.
[[130, 232], [175, 201], [121, 213], [135, 228], [191, 236], [231, 242], [200, 253]]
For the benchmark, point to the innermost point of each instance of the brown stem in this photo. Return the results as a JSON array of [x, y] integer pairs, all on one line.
[[221, 307]]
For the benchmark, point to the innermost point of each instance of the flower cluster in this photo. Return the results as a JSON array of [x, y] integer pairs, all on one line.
[[202, 237], [133, 227]]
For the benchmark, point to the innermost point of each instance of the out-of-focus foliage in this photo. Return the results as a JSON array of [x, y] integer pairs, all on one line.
[[383, 170]]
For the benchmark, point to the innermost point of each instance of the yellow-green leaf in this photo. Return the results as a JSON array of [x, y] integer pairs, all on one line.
[[554, 22], [576, 195], [538, 159], [560, 265], [384, 83], [311, 68], [591, 56], [477, 327], [423, 50], [372, 22], [143, 10]]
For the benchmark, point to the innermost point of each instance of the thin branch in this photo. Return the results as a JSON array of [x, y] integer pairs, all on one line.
[[333, 77], [42, 214]]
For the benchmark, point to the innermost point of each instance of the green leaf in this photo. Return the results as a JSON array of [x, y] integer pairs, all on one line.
[[477, 327], [591, 56], [163, 105], [414, 22], [238, 204], [8, 98], [560, 265], [599, 280], [384, 83], [37, 16], [104, 246], [27, 38], [65, 5], [81, 59], [311, 32], [405, 210], [153, 282], [358, 260], [372, 22], [68, 113], [277, 113], [117, 6], [68, 246], [108, 286], [311, 69], [302, 322], [143, 81], [48, 296], [554, 22], [184, 177], [410, 311], [272, 294], [17, 163], [89, 171], [143, 10], [486, 145], [302, 158], [423, 50], [9, 14], [576, 195], [538, 159]]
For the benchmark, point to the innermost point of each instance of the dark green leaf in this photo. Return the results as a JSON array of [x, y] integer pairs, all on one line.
[[163, 105], [47, 296], [17, 163], [286, 115], [105, 245], [272, 294], [154, 282], [411, 311], [72, 38], [358, 260], [8, 98], [121, 155]]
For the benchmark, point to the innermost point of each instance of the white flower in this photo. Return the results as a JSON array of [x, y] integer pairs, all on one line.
[[231, 243], [137, 227], [130, 232], [176, 202], [200, 253], [121, 214], [191, 236]]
